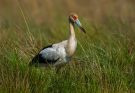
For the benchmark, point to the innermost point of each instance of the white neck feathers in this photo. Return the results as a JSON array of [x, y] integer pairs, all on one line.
[[71, 46]]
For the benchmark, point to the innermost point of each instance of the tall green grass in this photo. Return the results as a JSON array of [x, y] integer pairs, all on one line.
[[103, 63]]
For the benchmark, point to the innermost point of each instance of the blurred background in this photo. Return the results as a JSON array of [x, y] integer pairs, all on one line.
[[47, 11]]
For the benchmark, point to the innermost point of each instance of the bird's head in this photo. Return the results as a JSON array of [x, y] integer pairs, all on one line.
[[73, 18]]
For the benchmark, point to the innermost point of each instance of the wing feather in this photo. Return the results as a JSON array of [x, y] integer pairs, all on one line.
[[49, 54]]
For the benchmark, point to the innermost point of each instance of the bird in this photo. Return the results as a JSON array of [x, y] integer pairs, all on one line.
[[60, 53]]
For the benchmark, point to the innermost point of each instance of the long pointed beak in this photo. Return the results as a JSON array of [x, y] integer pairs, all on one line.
[[80, 25]]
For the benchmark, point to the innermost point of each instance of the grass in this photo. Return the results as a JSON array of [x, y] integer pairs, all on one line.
[[103, 63]]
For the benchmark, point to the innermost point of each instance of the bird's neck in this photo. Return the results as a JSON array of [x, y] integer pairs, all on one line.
[[71, 29], [71, 46]]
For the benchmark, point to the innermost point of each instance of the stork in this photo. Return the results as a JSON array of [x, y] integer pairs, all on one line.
[[62, 52]]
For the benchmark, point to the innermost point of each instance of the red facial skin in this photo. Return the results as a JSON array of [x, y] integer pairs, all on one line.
[[74, 17]]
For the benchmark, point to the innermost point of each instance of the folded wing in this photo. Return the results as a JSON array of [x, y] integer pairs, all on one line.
[[46, 56]]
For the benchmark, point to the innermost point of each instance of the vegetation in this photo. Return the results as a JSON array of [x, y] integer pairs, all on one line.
[[104, 60]]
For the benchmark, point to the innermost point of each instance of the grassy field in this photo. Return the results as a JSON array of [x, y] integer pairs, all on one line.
[[105, 56]]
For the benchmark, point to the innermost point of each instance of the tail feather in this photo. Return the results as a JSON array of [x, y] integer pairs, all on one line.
[[34, 60]]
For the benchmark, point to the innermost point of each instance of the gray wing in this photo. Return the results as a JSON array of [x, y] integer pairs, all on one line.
[[49, 55]]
